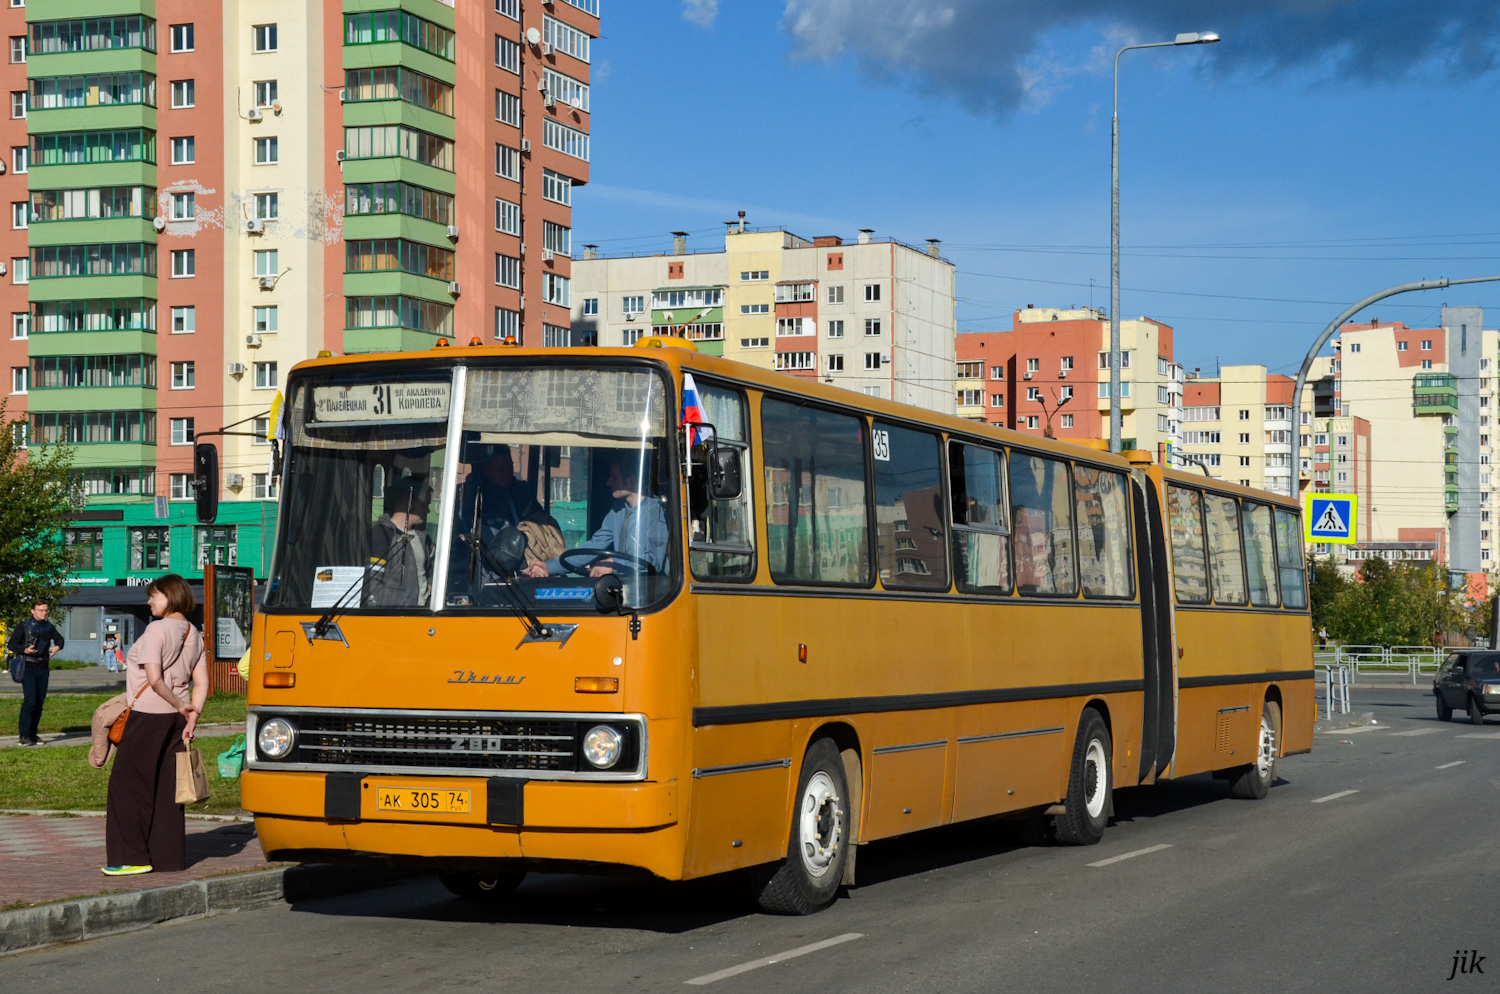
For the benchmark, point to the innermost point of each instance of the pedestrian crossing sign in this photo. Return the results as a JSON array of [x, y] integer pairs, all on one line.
[[1330, 518]]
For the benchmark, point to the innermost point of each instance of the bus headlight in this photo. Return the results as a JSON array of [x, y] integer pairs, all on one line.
[[602, 746], [275, 738]]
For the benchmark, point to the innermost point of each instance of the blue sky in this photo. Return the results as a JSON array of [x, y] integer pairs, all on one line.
[[1263, 188]]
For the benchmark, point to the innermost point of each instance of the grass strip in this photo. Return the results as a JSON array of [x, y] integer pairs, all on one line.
[[59, 778], [73, 712]]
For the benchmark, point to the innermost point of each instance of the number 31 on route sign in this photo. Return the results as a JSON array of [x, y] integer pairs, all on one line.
[[1330, 517]]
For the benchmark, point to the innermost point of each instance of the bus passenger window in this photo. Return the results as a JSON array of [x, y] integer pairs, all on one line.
[[1101, 508], [1260, 555], [1222, 516], [1289, 555], [722, 543], [911, 533], [981, 555], [817, 526], [1185, 523], [1042, 526]]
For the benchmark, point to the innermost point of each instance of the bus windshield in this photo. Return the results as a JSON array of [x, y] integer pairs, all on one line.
[[559, 476]]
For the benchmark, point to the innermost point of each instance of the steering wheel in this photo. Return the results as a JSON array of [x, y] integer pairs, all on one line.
[[579, 561]]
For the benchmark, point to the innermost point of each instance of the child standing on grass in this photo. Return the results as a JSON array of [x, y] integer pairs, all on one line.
[[166, 679]]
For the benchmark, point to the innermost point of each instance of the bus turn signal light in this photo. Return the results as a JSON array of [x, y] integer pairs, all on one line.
[[281, 678], [596, 684]]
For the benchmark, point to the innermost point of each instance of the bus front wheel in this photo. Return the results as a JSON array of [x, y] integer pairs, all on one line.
[[1253, 782], [808, 879], [1086, 806]]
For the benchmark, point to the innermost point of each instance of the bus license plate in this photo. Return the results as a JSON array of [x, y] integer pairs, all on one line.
[[418, 801]]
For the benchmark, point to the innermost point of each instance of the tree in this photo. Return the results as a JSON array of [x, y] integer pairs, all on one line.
[[38, 494]]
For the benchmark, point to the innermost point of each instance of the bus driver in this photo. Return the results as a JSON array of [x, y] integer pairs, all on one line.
[[636, 526]]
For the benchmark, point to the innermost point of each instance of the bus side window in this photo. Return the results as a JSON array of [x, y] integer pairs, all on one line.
[[1103, 517], [1221, 514], [1289, 556], [1189, 566], [981, 554], [1041, 507], [1260, 555], [722, 540], [817, 522], [911, 532]]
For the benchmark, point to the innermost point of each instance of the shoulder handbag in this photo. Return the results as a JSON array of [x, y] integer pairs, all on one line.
[[117, 730]]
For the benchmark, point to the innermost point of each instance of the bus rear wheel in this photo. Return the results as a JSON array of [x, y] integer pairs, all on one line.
[[1086, 806], [1253, 782], [808, 879], [481, 887]]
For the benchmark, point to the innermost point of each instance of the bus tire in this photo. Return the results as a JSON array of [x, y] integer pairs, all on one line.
[[481, 887], [808, 879], [1086, 806], [1253, 782], [1476, 711]]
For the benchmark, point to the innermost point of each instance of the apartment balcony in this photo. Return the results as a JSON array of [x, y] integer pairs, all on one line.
[[1435, 393], [1450, 498]]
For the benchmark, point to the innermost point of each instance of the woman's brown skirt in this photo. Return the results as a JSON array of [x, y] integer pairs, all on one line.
[[143, 822]]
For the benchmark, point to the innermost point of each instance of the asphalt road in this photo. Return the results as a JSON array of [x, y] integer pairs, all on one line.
[[1373, 861]]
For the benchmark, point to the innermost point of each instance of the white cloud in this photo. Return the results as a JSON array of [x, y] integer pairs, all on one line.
[[700, 12]]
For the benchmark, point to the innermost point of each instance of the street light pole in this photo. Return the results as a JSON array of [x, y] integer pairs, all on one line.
[[1115, 419]]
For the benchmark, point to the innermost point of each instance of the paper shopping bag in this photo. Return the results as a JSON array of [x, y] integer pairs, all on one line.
[[192, 777]]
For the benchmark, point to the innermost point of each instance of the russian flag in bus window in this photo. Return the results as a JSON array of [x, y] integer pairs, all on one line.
[[693, 413]]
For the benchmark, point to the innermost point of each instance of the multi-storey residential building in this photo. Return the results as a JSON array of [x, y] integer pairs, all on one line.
[[1238, 425], [1429, 396], [874, 316], [205, 194], [1050, 371]]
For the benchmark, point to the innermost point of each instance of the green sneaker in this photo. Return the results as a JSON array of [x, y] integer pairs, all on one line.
[[124, 871]]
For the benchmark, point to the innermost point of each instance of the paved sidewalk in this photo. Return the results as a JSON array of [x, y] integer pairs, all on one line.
[[50, 859], [89, 680], [84, 738]]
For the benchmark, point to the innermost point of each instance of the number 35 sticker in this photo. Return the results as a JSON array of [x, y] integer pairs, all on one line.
[[881, 442]]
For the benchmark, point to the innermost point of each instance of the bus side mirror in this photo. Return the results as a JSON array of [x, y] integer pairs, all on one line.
[[724, 481], [609, 594], [206, 481]]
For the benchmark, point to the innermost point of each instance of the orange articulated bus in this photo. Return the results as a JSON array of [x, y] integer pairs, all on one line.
[[522, 618]]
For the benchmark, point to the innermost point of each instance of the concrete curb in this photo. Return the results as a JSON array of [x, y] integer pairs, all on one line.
[[111, 914]]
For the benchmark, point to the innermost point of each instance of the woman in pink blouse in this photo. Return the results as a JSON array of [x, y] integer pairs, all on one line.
[[166, 679]]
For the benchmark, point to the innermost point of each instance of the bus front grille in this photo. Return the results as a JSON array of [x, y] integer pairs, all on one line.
[[418, 743]]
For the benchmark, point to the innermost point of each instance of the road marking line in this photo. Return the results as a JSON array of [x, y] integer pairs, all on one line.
[[1481, 735], [1132, 855], [1449, 766], [1416, 731], [756, 964], [1334, 797], [1353, 731]]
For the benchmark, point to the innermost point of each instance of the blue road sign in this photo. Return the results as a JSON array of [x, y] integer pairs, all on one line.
[[1330, 518]]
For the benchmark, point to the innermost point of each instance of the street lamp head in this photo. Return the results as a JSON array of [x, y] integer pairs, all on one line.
[[1196, 38]]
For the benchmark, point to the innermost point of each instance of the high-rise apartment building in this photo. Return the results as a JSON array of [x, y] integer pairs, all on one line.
[[874, 315], [1239, 426], [204, 194], [1051, 369]]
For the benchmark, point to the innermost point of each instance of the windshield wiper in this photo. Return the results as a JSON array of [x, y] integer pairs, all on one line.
[[512, 552], [329, 620]]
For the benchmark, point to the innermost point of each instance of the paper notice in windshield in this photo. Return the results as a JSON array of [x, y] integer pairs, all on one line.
[[383, 402], [341, 585]]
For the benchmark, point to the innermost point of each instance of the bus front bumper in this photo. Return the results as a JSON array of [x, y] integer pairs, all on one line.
[[626, 824]]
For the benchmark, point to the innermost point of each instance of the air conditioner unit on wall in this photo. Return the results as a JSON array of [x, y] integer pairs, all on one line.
[[526, 144], [253, 114], [453, 287], [343, 95], [252, 341], [255, 226], [453, 232], [549, 101], [268, 282], [236, 369], [547, 255], [234, 480], [548, 48]]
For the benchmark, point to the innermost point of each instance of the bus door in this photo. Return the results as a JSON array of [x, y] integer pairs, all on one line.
[[1159, 711]]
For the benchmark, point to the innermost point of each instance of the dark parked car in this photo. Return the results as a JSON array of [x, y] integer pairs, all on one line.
[[1468, 681]]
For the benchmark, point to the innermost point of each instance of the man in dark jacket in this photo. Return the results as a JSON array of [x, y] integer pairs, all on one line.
[[400, 551], [36, 640]]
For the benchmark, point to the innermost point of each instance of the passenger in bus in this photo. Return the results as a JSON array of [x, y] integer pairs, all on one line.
[[502, 497], [636, 526], [400, 551]]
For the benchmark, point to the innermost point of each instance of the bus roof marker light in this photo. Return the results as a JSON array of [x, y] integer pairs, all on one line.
[[324, 354], [442, 343], [476, 340]]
